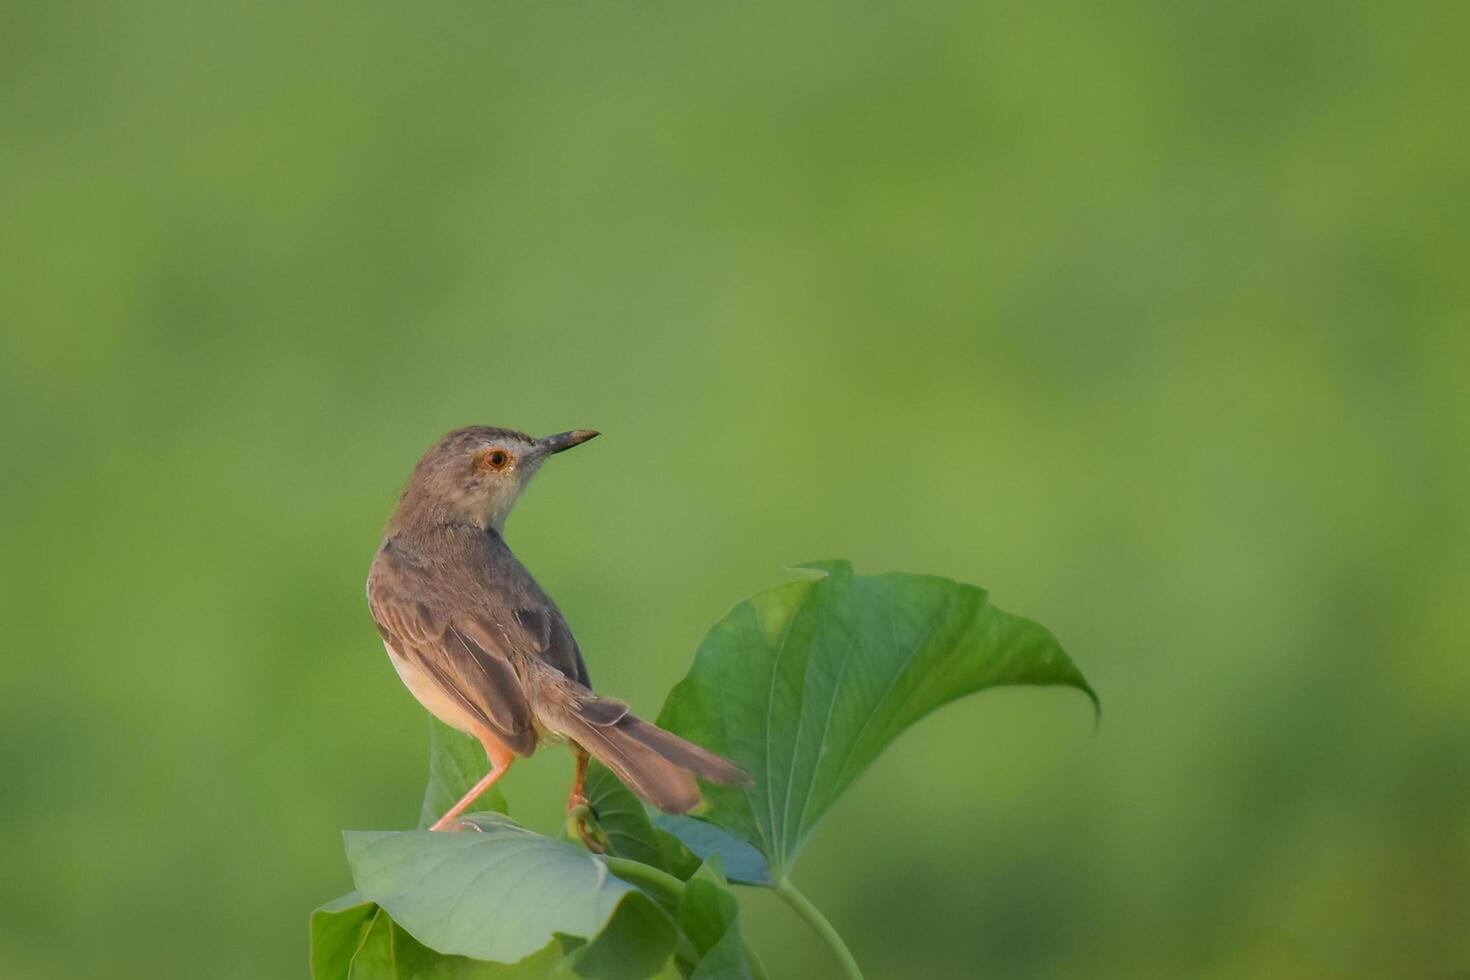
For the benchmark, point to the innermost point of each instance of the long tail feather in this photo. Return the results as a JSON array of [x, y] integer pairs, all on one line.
[[651, 776], [684, 753], [656, 764]]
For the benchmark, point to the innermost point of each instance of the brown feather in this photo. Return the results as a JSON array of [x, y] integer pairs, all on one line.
[[646, 773], [656, 764]]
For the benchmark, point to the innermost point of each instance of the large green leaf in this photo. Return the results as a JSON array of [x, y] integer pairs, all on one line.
[[806, 683], [501, 894], [456, 763]]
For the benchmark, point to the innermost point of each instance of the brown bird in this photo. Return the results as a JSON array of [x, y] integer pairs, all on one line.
[[485, 649]]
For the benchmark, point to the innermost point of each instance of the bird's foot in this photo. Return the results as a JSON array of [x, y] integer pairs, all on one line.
[[582, 825]]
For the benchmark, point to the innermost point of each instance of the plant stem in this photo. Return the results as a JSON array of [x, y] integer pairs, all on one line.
[[821, 926], [640, 873]]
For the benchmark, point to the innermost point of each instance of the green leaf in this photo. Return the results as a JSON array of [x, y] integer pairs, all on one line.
[[682, 861], [806, 683], [637, 943], [623, 817], [338, 929], [746, 864], [456, 763], [354, 939], [501, 894], [390, 953], [709, 915], [373, 959]]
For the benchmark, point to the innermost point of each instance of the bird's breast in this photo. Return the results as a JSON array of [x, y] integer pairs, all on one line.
[[431, 695]]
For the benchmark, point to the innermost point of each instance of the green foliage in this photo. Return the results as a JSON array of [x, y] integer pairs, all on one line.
[[746, 865], [338, 930], [499, 894], [362, 942], [624, 819], [710, 916], [804, 684]]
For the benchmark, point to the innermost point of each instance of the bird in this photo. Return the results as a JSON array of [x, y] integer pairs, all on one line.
[[483, 647]]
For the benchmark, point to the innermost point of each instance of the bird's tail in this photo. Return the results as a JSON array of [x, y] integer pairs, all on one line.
[[657, 765]]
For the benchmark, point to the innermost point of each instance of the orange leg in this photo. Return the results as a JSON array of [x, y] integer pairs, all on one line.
[[579, 782], [579, 811], [500, 760]]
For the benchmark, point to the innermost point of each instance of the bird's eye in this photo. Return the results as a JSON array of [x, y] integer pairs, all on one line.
[[494, 459]]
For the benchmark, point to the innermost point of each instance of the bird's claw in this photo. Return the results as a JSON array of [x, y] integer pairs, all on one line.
[[582, 825]]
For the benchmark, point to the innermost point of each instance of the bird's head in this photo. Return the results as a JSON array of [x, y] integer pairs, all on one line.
[[474, 475]]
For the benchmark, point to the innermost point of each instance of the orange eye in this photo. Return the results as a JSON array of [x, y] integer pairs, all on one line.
[[495, 459]]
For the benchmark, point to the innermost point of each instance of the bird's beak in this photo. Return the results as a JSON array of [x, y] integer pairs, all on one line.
[[564, 440]]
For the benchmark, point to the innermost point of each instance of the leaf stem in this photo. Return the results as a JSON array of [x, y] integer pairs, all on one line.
[[640, 873], [820, 925]]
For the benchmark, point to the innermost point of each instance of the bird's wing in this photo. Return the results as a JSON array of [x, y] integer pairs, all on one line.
[[534, 627], [553, 641], [458, 644]]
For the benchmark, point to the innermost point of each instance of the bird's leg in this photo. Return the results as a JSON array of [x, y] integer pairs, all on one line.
[[579, 781], [579, 812], [500, 760]]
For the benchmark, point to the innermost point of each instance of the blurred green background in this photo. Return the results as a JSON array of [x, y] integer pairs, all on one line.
[[1153, 318]]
